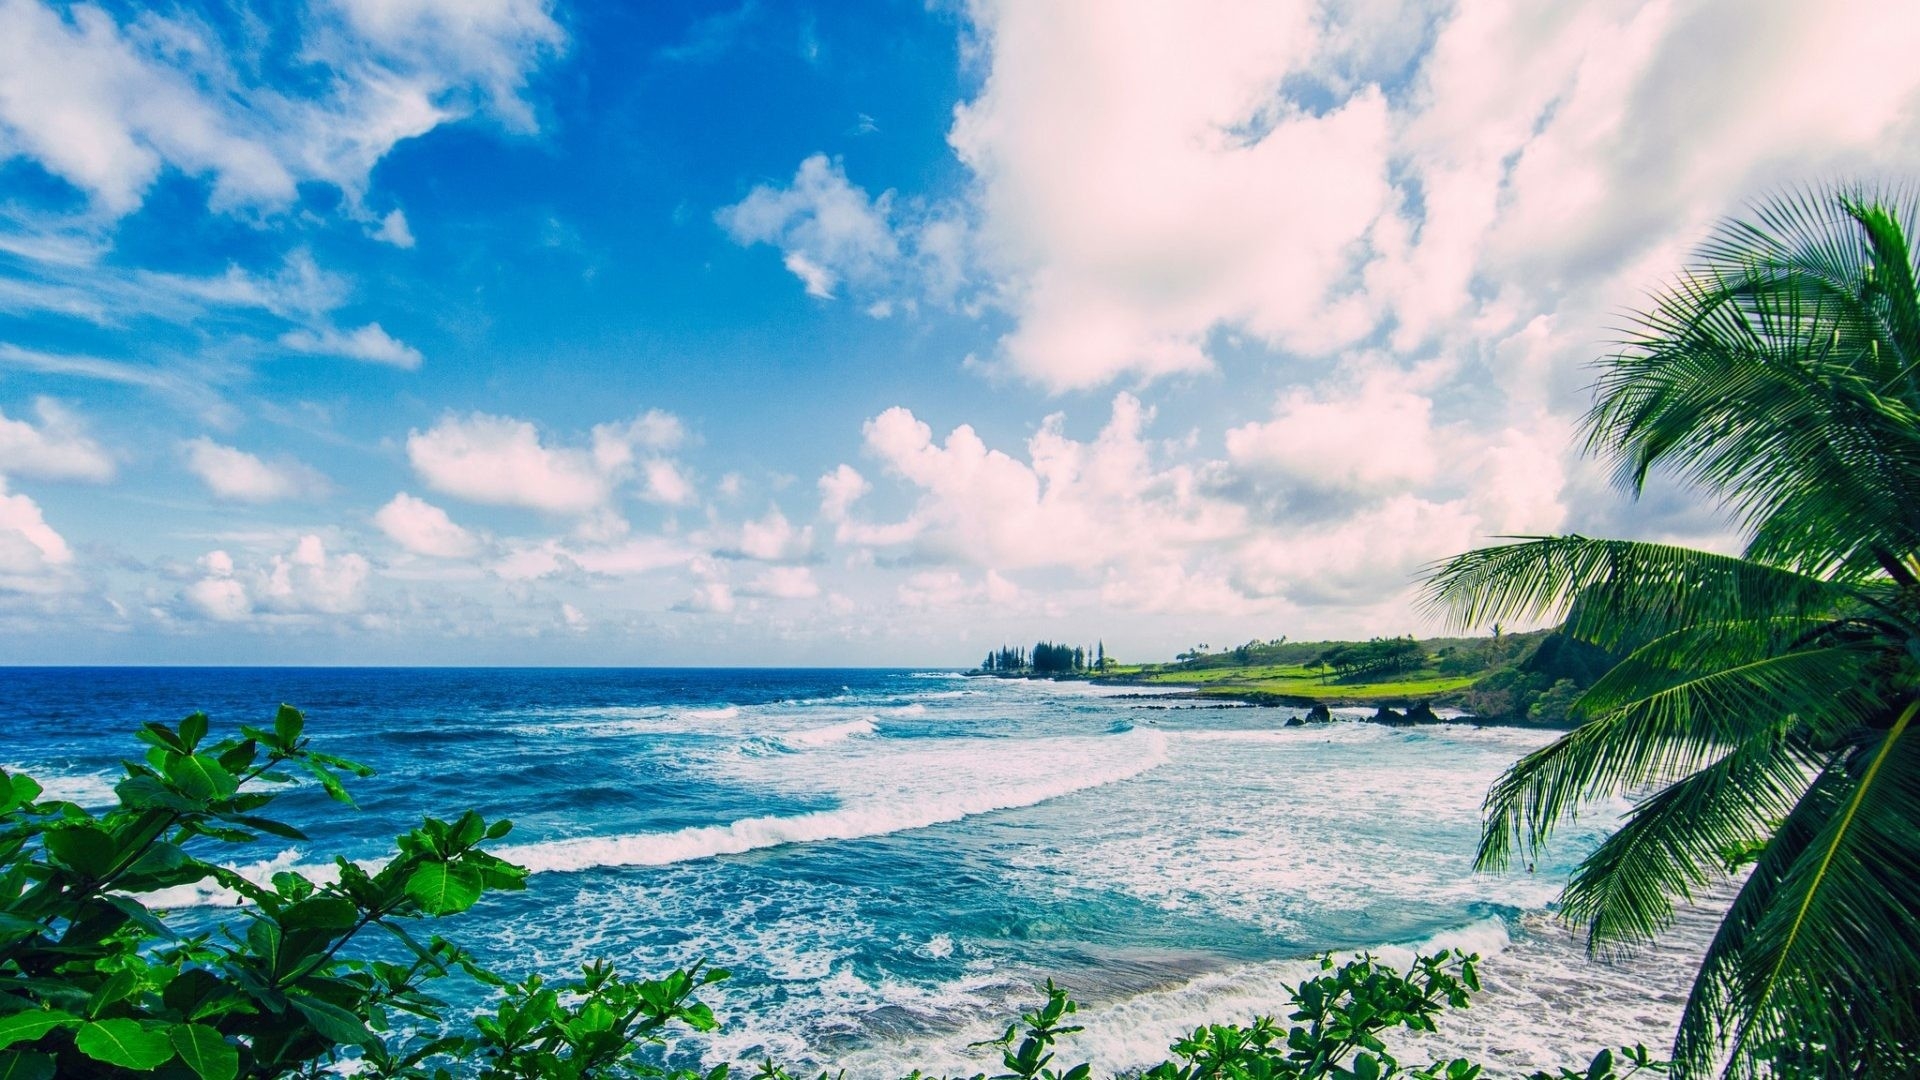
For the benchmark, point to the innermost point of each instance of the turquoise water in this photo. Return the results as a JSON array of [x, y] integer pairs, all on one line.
[[887, 860]]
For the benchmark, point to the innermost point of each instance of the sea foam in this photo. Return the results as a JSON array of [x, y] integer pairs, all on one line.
[[924, 788]]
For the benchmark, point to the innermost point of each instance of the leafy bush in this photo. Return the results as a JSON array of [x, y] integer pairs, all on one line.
[[293, 981]]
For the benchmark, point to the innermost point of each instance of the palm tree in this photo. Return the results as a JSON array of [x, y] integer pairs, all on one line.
[[1763, 708]]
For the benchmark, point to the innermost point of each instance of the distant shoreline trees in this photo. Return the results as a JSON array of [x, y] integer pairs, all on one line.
[[1046, 658]]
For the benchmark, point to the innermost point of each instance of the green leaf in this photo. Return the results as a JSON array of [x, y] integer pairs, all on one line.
[[25, 788], [333, 1022], [444, 888], [85, 850], [20, 1065], [199, 775], [193, 729], [124, 1043], [330, 782], [205, 1051], [320, 913], [288, 722], [30, 1025]]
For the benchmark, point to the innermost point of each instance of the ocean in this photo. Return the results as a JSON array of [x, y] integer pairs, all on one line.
[[890, 861]]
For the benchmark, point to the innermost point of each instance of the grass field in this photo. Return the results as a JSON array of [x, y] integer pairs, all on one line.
[[1290, 680]]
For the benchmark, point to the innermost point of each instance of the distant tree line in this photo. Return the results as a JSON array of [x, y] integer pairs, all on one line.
[[1046, 658], [1367, 659]]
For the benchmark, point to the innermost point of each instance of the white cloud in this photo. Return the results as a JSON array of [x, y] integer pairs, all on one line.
[[935, 589], [772, 538], [58, 448], [504, 461], [1376, 437], [369, 343], [629, 557], [828, 229], [495, 459], [108, 105], [306, 583], [715, 597], [307, 579], [666, 483], [424, 529], [32, 555], [232, 473], [839, 490], [1143, 181], [785, 583], [393, 230], [217, 595], [1071, 504]]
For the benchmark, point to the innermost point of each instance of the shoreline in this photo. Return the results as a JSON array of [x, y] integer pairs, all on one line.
[[1408, 710]]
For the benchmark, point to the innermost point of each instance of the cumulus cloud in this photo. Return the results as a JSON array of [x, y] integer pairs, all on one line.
[[828, 230], [1069, 504], [57, 448], [772, 538], [306, 582], [232, 473], [107, 104], [424, 529], [369, 343], [711, 597], [1154, 527], [504, 461], [1143, 180], [839, 490], [33, 556], [1372, 438]]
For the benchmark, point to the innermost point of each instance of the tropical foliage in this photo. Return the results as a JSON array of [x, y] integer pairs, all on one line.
[[318, 973], [1765, 703]]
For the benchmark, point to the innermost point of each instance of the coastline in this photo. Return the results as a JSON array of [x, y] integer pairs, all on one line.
[[1389, 708]]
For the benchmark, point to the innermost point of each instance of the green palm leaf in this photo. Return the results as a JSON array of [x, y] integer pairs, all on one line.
[[1677, 842], [1627, 591], [1767, 696]]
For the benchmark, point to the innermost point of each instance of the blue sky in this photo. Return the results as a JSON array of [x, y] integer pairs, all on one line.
[[510, 331]]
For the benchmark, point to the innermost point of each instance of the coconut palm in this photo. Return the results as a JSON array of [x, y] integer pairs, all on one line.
[[1763, 710]]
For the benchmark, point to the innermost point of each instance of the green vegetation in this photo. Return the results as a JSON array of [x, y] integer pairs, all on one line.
[[96, 980], [1764, 701], [1046, 658], [1514, 678]]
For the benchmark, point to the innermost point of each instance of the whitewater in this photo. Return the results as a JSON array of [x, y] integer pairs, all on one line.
[[889, 862]]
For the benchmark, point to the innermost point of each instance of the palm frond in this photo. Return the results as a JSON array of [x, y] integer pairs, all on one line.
[[1666, 732], [1678, 840], [1831, 962], [1778, 375], [1627, 591]]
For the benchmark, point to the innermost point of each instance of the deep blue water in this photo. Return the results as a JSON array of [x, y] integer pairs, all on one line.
[[885, 859]]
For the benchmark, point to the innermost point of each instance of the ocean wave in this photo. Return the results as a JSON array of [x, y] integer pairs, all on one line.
[[93, 790], [812, 738], [910, 809]]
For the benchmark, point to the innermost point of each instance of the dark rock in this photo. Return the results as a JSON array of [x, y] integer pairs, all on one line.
[[1294, 721], [1388, 716], [1319, 715], [1422, 713]]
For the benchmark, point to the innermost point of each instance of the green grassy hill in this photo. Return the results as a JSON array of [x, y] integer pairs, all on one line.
[[1529, 677]]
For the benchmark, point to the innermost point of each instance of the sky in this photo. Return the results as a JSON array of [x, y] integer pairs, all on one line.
[[574, 332]]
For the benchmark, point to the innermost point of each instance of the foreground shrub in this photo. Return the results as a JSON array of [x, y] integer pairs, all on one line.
[[295, 979]]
